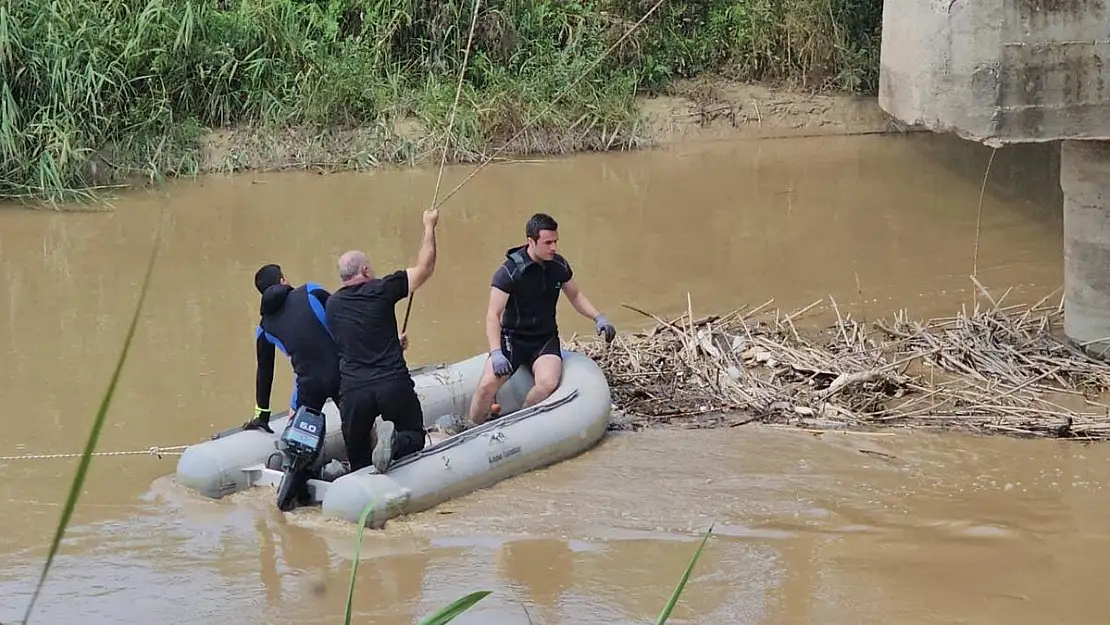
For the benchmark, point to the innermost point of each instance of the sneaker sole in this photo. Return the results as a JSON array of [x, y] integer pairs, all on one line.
[[383, 450]]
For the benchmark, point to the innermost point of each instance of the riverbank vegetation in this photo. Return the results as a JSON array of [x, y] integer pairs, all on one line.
[[95, 93], [991, 369]]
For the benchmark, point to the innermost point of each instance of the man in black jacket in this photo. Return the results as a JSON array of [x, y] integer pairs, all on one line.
[[294, 321]]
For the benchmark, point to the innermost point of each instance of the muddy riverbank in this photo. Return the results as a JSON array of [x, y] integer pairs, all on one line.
[[708, 108]]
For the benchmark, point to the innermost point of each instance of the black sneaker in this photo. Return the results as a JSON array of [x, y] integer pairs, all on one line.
[[382, 456]]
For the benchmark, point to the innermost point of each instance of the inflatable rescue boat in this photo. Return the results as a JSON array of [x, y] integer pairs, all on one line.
[[572, 420]]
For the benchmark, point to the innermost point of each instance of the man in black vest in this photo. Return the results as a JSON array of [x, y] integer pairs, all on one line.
[[294, 321], [520, 321]]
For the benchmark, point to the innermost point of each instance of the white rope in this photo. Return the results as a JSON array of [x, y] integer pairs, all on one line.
[[175, 450]]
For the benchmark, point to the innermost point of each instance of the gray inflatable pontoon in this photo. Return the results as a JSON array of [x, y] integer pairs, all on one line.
[[572, 420]]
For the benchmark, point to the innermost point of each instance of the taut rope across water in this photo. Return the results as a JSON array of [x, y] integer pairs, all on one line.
[[154, 450]]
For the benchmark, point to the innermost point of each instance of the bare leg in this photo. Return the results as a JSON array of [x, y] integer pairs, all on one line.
[[547, 372], [484, 394]]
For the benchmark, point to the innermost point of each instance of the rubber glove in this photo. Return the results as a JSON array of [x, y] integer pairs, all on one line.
[[604, 327], [501, 365]]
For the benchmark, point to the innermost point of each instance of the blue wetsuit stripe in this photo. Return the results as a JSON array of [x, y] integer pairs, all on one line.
[[277, 343], [317, 307]]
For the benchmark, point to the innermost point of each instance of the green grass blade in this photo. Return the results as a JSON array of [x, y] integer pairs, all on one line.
[[94, 434], [354, 563], [447, 613], [667, 609]]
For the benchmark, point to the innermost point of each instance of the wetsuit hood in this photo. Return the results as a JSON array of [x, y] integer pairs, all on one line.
[[274, 298]]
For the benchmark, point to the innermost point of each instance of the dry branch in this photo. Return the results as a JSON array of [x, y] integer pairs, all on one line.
[[995, 369]]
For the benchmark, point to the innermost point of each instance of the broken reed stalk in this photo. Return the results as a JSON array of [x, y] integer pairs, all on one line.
[[998, 369]]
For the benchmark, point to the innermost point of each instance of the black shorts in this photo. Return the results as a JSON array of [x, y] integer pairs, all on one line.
[[522, 351]]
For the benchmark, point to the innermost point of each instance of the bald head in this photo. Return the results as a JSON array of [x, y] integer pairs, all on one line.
[[351, 265]]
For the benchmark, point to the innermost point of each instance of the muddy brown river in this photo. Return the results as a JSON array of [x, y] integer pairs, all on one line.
[[809, 529]]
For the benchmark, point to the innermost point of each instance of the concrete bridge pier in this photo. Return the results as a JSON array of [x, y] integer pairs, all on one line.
[[1019, 71], [1085, 181]]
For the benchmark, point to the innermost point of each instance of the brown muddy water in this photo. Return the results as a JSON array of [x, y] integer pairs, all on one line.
[[941, 529]]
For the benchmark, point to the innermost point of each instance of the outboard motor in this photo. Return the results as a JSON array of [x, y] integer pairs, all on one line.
[[300, 445]]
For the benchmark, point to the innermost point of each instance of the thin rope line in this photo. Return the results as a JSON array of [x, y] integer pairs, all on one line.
[[979, 227], [175, 450], [447, 136], [455, 104], [490, 158], [979, 215]]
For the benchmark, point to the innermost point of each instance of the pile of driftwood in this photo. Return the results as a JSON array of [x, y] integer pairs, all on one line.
[[998, 369]]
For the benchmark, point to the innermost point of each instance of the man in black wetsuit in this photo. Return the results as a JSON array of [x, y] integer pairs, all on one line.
[[520, 320], [294, 321], [374, 378]]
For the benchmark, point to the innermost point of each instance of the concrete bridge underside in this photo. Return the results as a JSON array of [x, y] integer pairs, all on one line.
[[1019, 71]]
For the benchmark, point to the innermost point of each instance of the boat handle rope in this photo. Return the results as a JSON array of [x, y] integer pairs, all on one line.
[[155, 450]]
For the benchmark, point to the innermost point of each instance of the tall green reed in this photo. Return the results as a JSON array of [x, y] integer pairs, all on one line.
[[94, 433]]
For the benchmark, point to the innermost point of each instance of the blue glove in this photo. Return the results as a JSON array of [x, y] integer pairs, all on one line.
[[604, 327], [501, 365]]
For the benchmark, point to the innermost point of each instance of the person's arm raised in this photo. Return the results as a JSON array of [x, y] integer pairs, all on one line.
[[426, 259]]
